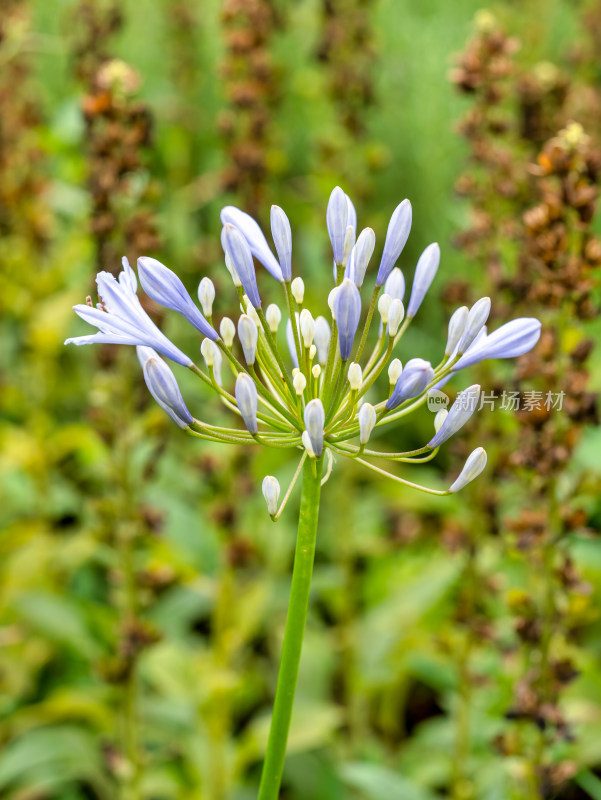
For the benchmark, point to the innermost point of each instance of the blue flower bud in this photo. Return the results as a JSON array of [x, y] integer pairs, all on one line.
[[246, 398], [162, 385], [236, 247], [425, 271], [165, 288], [347, 311], [462, 409], [476, 320], [254, 238], [282, 238], [314, 422], [336, 218], [396, 238], [248, 333], [476, 461], [512, 339], [456, 328], [412, 382]]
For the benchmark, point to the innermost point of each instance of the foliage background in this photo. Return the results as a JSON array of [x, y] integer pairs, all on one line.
[[143, 588]]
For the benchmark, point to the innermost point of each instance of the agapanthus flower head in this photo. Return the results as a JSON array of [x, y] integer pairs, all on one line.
[[326, 383]]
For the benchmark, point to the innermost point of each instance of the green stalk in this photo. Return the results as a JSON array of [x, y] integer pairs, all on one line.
[[295, 628]]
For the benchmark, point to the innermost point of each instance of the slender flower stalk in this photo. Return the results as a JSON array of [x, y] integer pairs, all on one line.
[[321, 398]]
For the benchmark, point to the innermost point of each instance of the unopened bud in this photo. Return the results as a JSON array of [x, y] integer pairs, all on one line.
[[271, 493], [322, 339], [250, 310], [232, 270], [248, 334], [456, 328], [394, 370], [355, 376], [316, 371], [273, 315], [299, 382], [312, 352], [384, 307], [396, 312], [367, 421], [440, 418], [476, 461], [209, 350], [206, 295], [227, 329], [307, 327], [314, 421], [331, 298], [246, 398], [307, 444], [298, 290], [349, 243]]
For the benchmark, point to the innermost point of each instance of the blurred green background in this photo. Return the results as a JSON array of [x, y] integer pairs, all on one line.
[[453, 645]]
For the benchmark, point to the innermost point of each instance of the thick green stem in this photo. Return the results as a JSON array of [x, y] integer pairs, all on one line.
[[295, 628]]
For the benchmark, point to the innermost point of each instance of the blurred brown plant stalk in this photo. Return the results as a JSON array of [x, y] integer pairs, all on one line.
[[118, 136], [23, 212], [252, 89], [533, 196]]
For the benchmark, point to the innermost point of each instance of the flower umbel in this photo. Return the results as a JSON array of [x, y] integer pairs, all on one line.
[[311, 396]]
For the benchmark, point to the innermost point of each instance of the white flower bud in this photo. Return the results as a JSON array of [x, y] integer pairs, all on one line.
[[248, 334], [361, 254], [250, 311], [367, 421], [394, 371], [307, 327], [316, 371], [476, 461], [232, 270], [349, 243], [209, 352], [271, 493], [206, 295], [396, 312], [355, 376], [307, 444], [227, 329], [322, 339], [273, 315], [384, 306], [298, 290], [312, 352], [217, 364], [440, 418], [299, 382], [331, 298]]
